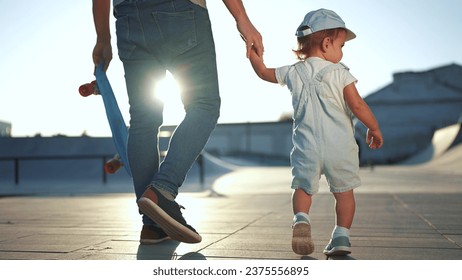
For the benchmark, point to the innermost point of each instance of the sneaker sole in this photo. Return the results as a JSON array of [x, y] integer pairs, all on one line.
[[172, 228], [302, 243], [338, 251]]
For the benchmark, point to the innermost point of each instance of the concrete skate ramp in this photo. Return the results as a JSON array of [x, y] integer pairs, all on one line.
[[448, 163], [212, 168], [442, 140]]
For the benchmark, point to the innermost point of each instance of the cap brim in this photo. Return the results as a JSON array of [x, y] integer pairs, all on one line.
[[350, 35]]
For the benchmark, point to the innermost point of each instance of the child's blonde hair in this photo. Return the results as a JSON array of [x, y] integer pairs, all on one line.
[[307, 43]]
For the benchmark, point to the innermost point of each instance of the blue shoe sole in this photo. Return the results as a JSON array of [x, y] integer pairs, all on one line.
[[339, 246]]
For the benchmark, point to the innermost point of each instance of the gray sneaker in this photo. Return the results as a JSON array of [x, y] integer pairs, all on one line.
[[302, 243], [339, 246]]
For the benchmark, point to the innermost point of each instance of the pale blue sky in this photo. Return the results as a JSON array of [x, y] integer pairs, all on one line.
[[46, 54]]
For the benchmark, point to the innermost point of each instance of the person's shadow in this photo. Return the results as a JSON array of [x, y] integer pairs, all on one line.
[[165, 251], [193, 256], [348, 257], [329, 258]]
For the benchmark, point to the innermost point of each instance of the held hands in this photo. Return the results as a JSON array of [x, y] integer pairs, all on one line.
[[374, 139], [251, 37]]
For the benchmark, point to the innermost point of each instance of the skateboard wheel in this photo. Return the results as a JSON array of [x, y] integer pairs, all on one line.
[[112, 166], [88, 89]]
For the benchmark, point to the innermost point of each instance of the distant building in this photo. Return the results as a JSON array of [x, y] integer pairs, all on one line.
[[410, 110], [5, 129]]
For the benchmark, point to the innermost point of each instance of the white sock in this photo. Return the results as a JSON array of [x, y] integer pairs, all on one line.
[[340, 231], [301, 217]]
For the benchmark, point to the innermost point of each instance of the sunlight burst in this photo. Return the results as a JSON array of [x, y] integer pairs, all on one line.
[[168, 90]]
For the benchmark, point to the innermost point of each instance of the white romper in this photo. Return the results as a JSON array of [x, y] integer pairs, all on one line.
[[323, 130]]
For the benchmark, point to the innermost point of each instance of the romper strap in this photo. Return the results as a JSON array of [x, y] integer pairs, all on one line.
[[320, 75], [302, 70]]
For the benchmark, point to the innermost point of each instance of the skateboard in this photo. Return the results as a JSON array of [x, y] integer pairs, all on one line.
[[101, 86]]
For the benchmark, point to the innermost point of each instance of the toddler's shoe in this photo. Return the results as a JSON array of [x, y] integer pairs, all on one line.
[[339, 246], [302, 243]]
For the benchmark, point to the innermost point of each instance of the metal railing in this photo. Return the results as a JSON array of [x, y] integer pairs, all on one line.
[[104, 158], [17, 160]]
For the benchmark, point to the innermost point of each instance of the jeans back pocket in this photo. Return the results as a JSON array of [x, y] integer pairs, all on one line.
[[178, 30]]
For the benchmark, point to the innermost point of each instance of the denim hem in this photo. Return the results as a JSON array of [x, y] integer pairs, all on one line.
[[307, 190], [164, 187], [344, 189]]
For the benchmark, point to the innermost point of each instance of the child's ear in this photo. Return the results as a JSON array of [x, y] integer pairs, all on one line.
[[326, 43]]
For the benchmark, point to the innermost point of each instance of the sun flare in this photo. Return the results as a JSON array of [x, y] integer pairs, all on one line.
[[168, 91]]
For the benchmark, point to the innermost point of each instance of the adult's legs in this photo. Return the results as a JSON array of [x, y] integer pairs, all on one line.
[[195, 69]]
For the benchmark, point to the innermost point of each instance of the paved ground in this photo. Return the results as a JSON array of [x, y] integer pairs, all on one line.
[[403, 213]]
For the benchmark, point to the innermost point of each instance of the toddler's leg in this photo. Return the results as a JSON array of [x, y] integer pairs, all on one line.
[[302, 243], [345, 206], [301, 201]]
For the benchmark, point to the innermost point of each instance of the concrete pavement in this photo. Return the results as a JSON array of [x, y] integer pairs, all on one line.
[[403, 213]]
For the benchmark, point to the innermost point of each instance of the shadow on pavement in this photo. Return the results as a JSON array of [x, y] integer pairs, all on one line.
[[340, 258], [165, 251], [162, 251], [193, 256], [307, 258]]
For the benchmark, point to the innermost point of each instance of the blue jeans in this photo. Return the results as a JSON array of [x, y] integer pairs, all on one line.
[[154, 36]]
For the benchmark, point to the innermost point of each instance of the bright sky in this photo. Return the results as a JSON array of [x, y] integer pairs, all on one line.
[[46, 54]]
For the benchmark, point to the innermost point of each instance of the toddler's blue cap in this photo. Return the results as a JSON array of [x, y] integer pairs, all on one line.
[[322, 19]]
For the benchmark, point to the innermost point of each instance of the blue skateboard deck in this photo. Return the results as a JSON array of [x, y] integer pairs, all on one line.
[[116, 121]]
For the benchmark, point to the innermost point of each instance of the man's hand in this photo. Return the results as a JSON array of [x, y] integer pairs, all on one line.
[[102, 52], [245, 27], [252, 37]]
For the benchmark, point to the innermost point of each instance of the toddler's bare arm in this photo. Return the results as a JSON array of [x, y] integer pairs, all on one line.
[[266, 74], [362, 111]]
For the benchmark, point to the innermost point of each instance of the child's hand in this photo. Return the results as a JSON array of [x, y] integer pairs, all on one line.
[[266, 74], [374, 139], [256, 60]]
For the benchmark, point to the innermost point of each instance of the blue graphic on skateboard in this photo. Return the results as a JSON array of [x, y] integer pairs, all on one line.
[[101, 86]]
